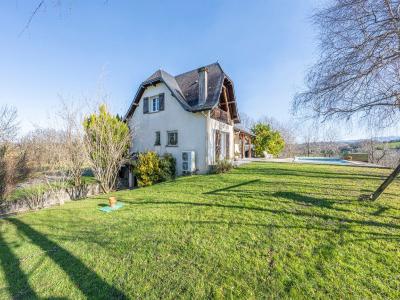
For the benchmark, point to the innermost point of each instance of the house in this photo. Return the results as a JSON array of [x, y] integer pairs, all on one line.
[[193, 116]]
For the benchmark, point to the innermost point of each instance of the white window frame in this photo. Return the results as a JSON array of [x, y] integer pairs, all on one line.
[[154, 104]]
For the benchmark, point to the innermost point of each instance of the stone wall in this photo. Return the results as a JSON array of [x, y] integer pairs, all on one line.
[[48, 199]]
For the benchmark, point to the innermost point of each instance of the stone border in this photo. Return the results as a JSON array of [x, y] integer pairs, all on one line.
[[48, 199]]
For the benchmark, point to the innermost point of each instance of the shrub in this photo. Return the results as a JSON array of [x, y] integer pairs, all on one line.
[[147, 168], [13, 169], [150, 168], [167, 167], [267, 139], [107, 141], [222, 166]]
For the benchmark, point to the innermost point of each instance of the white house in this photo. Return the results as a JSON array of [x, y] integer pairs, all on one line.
[[191, 115]]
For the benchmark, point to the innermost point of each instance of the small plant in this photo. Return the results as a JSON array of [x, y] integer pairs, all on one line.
[[222, 166]]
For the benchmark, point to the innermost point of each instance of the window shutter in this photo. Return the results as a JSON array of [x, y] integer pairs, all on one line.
[[145, 105], [217, 145], [161, 101]]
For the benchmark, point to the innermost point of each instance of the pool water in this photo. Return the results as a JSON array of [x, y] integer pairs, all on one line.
[[322, 160]]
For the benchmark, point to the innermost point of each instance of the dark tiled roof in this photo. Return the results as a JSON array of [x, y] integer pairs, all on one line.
[[185, 87], [190, 86]]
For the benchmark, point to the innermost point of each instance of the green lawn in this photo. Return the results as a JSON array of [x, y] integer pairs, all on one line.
[[264, 230], [394, 145]]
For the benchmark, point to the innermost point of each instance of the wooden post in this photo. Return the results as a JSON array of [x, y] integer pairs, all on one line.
[[385, 184]]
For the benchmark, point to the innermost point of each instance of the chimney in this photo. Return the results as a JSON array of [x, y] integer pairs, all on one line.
[[203, 84]]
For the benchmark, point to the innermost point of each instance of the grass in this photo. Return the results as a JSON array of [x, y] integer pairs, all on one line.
[[264, 230], [38, 189], [394, 145]]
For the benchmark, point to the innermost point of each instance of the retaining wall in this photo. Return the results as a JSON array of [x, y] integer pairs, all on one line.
[[48, 199]]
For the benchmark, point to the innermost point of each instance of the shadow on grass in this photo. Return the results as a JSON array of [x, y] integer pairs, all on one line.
[[289, 185], [231, 187], [308, 173], [296, 213], [303, 199], [18, 285], [90, 284]]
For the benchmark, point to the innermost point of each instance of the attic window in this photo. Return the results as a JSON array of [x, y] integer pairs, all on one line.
[[154, 104]]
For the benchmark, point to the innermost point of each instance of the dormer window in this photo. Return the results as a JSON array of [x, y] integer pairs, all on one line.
[[154, 104]]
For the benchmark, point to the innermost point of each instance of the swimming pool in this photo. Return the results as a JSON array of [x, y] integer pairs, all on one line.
[[322, 160]]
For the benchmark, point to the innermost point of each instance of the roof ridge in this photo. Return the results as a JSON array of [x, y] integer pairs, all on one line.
[[216, 63]]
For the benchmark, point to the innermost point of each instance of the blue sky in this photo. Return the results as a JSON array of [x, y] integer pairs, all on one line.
[[74, 48]]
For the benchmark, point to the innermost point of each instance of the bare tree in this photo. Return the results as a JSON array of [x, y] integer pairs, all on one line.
[[310, 137], [329, 143], [358, 73], [372, 147], [287, 131], [8, 123], [42, 146], [13, 160], [74, 157], [246, 121]]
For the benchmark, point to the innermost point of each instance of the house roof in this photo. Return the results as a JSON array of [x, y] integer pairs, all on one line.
[[185, 88]]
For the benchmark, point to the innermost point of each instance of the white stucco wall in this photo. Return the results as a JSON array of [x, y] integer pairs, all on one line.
[[191, 129], [214, 125]]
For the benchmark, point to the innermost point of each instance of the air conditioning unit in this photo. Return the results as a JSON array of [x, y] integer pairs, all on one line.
[[188, 162]]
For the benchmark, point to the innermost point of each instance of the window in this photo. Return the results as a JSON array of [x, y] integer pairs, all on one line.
[[172, 138], [154, 104], [158, 139]]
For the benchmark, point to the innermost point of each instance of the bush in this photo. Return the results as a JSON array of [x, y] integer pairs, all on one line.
[[13, 169], [147, 168], [222, 166], [150, 168], [167, 167], [267, 139]]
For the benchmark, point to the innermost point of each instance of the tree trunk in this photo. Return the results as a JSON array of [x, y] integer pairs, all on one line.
[[385, 184]]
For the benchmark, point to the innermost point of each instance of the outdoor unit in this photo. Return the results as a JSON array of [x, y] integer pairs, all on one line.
[[188, 162]]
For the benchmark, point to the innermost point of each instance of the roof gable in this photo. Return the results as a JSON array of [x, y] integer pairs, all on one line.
[[185, 88]]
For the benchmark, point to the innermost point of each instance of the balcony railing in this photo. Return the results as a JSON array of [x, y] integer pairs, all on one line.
[[220, 115]]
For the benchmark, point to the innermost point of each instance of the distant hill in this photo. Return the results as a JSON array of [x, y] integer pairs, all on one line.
[[378, 138]]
